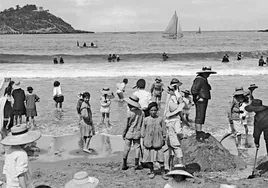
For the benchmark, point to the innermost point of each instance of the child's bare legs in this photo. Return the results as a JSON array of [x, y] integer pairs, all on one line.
[[16, 119], [20, 118], [246, 140], [56, 106], [102, 118], [33, 121], [60, 104], [108, 119], [86, 142], [27, 121]]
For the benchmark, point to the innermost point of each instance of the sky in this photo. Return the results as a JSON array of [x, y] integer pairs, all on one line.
[[154, 15]]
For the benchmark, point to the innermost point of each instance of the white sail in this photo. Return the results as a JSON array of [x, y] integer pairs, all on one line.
[[199, 31], [180, 34], [172, 26]]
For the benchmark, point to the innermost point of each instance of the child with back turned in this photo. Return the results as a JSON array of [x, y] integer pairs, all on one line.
[[132, 130], [105, 101], [30, 101]]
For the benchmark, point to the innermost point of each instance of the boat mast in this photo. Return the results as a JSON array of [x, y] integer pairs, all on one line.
[[176, 23]]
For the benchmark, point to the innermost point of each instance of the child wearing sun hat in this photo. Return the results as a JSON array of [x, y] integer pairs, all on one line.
[[179, 177], [132, 130], [17, 167], [105, 101], [82, 180]]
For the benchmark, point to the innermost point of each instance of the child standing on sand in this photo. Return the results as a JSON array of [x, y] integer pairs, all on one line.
[[174, 131], [121, 89], [58, 96], [132, 131], [157, 89], [188, 104], [153, 132], [87, 129], [30, 101], [79, 103], [105, 101], [234, 114], [17, 167]]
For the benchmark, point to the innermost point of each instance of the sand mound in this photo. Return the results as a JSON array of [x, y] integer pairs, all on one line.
[[211, 155]]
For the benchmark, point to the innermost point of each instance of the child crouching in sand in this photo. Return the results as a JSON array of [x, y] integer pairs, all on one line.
[[153, 133], [132, 131], [17, 167], [105, 101], [87, 128], [30, 100]]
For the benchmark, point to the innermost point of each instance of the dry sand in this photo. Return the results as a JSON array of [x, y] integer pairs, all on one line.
[[59, 159]]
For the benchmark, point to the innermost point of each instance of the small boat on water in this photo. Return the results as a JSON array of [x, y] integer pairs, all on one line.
[[173, 30], [199, 31], [85, 46]]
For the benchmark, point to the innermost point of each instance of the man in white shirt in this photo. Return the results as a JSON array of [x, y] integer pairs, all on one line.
[[145, 97]]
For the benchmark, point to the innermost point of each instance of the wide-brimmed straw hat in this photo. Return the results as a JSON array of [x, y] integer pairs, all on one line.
[[106, 90], [239, 91], [175, 81], [173, 109], [252, 86], [206, 70], [179, 169], [82, 180], [133, 100], [186, 92], [16, 85], [256, 106], [20, 135]]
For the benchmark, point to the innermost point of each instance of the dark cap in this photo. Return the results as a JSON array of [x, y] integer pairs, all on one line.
[[86, 94], [140, 84], [29, 88]]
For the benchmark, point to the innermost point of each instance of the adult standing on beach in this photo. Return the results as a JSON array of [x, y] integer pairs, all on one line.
[[19, 106], [201, 94], [260, 121], [58, 96]]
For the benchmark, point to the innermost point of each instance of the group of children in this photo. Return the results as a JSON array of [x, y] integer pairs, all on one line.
[[156, 138], [238, 117], [18, 104]]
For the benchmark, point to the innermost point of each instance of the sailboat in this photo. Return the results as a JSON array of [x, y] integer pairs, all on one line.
[[173, 30], [199, 31]]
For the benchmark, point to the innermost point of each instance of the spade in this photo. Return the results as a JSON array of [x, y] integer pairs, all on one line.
[[255, 160]]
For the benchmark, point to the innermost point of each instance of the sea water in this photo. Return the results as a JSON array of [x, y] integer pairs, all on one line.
[[29, 58]]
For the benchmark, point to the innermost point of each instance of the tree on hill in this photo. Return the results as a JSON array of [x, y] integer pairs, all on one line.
[[17, 7]]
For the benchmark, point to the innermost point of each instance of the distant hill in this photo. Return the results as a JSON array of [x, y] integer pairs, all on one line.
[[32, 20], [266, 30]]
